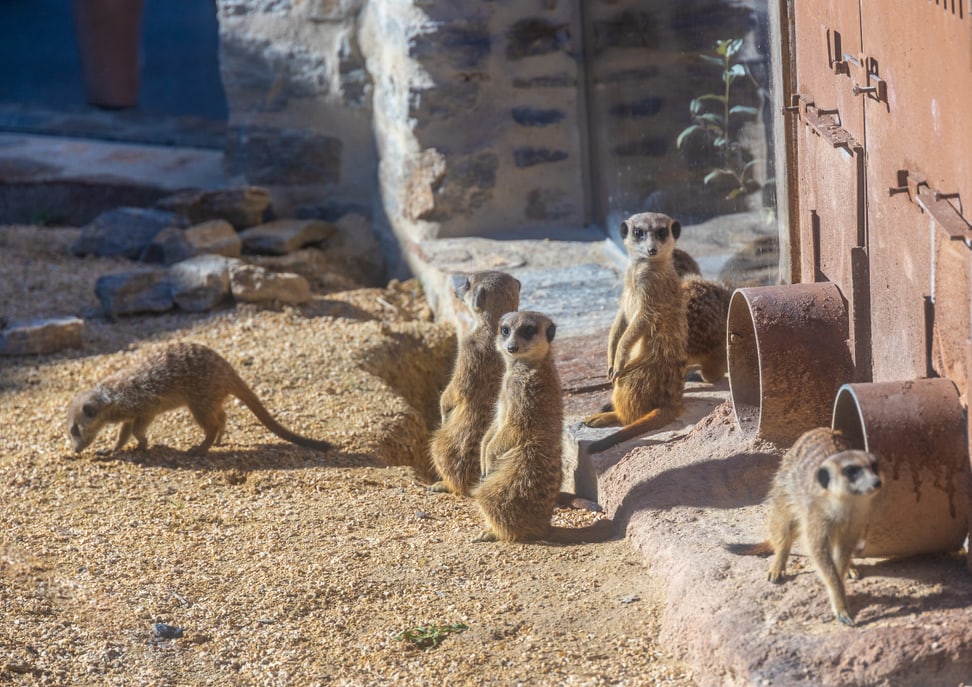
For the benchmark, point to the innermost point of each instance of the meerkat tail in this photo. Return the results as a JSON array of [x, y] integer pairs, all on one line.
[[250, 400], [656, 419], [599, 531], [762, 549]]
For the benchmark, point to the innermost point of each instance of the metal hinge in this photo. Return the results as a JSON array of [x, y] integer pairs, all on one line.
[[935, 203]]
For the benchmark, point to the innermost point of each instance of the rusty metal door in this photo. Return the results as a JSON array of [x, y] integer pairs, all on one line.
[[885, 177]]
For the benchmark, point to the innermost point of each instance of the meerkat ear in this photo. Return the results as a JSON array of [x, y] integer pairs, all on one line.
[[624, 230], [823, 477], [551, 330], [676, 229], [479, 297]]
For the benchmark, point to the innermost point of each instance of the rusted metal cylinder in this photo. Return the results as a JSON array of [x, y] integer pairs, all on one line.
[[917, 430], [788, 355]]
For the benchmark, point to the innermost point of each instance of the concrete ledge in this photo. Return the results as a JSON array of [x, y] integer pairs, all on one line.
[[681, 493]]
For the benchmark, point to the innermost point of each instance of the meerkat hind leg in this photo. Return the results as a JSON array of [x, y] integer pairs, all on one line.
[[781, 539], [139, 428]]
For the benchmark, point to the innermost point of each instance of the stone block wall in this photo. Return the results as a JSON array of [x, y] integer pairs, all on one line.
[[448, 118]]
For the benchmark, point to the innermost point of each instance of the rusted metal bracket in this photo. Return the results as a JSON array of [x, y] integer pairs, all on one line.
[[862, 69], [825, 123], [935, 203]]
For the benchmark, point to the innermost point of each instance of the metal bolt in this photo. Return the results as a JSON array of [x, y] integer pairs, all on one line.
[[858, 89]]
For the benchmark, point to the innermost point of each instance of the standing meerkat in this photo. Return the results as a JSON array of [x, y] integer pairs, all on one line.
[[521, 458], [467, 402], [647, 344], [823, 494], [176, 375], [706, 310]]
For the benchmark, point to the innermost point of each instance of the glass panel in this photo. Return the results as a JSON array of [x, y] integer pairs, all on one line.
[[679, 112]]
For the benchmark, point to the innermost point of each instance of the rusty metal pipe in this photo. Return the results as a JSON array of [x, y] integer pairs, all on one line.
[[917, 430], [788, 355]]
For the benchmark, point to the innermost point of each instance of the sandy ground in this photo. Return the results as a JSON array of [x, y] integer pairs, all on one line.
[[278, 564]]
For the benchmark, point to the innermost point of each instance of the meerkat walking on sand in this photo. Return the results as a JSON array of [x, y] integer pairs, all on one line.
[[467, 402], [647, 344], [521, 459], [177, 375], [823, 494]]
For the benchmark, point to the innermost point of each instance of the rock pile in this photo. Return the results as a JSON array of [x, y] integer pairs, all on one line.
[[197, 250]]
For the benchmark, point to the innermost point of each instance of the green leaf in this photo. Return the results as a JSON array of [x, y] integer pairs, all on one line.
[[717, 173], [686, 132], [733, 72], [733, 46], [743, 110], [713, 118], [733, 193], [712, 60], [712, 96]]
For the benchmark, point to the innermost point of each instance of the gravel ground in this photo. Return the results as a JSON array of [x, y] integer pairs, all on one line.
[[279, 564]]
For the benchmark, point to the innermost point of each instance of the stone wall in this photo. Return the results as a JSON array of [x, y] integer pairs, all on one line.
[[446, 118]]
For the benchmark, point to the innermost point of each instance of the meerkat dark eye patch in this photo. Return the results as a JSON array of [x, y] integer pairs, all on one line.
[[89, 410], [528, 332], [661, 234], [639, 234], [823, 477], [504, 330], [852, 472]]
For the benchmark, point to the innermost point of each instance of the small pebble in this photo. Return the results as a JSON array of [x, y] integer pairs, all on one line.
[[629, 599], [164, 631], [421, 515]]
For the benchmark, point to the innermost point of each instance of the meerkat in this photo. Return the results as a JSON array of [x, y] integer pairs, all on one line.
[[823, 494], [706, 311], [177, 375], [647, 354], [467, 402], [685, 264], [521, 456]]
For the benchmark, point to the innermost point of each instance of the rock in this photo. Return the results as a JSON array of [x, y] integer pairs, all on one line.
[[215, 236], [164, 631], [174, 245], [41, 337], [285, 235], [129, 293], [202, 282], [254, 285], [242, 207], [123, 232]]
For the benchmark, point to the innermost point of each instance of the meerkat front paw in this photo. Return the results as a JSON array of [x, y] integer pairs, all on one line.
[[484, 536]]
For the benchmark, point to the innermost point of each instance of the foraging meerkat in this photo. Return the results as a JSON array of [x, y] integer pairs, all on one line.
[[647, 344], [823, 494], [467, 402], [706, 311], [177, 375], [521, 459]]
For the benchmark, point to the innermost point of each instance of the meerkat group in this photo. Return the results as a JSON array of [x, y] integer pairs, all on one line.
[[499, 441]]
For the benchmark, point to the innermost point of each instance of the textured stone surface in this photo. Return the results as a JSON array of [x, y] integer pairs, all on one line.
[[254, 284], [41, 337], [216, 236], [124, 232], [285, 235], [202, 282], [130, 293], [242, 207]]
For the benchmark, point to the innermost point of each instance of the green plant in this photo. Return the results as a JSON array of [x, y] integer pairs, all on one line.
[[429, 636], [715, 124]]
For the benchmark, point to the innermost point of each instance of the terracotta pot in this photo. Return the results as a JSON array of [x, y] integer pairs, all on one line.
[[109, 36]]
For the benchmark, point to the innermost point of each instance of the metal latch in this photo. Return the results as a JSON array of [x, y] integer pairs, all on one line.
[[935, 203], [826, 123], [862, 70]]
